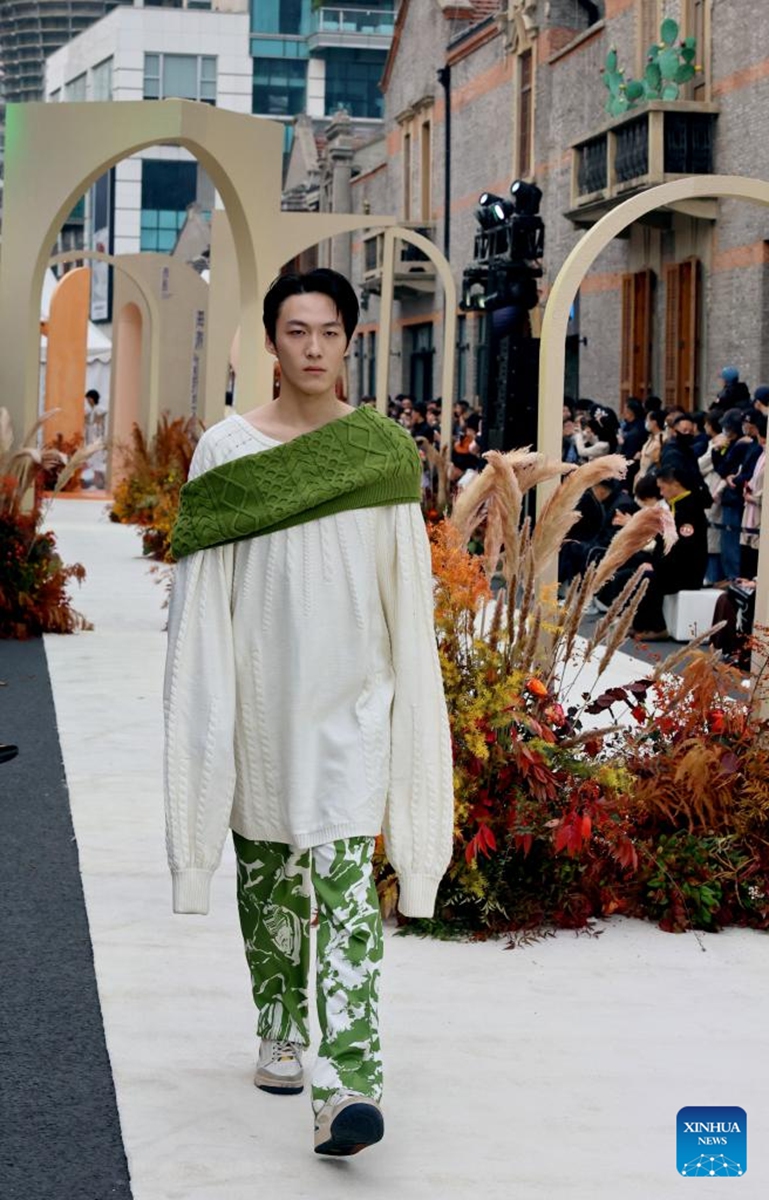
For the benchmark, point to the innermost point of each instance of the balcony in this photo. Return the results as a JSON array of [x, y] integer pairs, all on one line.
[[646, 146], [414, 272], [355, 27]]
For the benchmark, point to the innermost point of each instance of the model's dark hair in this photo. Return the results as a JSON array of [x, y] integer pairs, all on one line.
[[329, 283], [92, 394]]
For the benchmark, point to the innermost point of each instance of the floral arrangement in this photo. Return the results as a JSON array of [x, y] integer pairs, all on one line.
[[148, 496], [559, 820], [33, 578]]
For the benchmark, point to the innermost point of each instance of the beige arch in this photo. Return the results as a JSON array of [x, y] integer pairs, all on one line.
[[54, 152], [561, 298], [449, 320]]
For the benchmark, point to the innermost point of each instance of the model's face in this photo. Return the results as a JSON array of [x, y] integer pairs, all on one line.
[[310, 342]]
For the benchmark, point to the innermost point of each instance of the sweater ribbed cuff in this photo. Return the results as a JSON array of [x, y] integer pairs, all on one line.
[[417, 895], [191, 890]]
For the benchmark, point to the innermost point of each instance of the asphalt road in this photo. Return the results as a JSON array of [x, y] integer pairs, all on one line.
[[60, 1135]]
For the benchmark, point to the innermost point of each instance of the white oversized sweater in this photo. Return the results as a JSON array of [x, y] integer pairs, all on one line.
[[303, 695]]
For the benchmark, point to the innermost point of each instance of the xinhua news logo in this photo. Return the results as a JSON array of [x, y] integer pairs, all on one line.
[[711, 1142]]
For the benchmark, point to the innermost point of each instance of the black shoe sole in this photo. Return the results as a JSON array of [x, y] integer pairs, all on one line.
[[356, 1127], [280, 1091]]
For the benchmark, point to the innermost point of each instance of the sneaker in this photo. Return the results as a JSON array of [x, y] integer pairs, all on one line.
[[279, 1067], [348, 1125]]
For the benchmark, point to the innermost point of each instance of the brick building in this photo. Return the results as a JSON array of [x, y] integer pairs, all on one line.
[[685, 292]]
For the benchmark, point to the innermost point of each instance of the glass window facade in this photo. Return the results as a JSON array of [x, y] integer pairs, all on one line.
[[101, 80], [167, 190], [186, 76], [352, 82], [76, 88], [280, 87], [281, 16]]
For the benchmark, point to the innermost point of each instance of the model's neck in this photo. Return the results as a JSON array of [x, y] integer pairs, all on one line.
[[298, 410]]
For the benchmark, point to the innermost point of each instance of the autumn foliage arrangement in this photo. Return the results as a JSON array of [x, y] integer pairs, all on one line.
[[575, 802], [148, 495], [33, 579]]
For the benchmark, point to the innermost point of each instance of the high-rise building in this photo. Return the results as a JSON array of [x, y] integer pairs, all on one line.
[[30, 30]]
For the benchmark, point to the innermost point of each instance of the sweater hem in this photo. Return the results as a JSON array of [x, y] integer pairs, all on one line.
[[305, 841]]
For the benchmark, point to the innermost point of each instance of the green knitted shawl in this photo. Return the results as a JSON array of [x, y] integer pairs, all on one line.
[[357, 461]]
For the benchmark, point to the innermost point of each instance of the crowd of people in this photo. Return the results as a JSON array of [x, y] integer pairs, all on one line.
[[707, 467]]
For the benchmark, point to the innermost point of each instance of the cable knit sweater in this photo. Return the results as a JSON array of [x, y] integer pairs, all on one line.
[[303, 695]]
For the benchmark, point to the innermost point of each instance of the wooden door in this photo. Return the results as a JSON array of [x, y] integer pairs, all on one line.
[[636, 356]]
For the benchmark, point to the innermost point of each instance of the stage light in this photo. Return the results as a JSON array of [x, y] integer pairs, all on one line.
[[526, 197]]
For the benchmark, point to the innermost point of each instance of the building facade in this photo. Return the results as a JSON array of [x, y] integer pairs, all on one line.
[[683, 293], [30, 30], [152, 52]]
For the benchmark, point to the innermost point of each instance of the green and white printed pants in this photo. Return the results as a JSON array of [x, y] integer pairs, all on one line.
[[274, 905]]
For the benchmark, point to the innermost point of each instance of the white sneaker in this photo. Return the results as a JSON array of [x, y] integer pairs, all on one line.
[[279, 1067], [345, 1126]]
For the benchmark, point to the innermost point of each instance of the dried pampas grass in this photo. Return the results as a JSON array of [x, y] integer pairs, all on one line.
[[642, 527], [560, 513]]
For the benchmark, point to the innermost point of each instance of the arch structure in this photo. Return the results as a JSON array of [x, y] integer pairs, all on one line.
[[564, 291], [129, 268], [393, 234], [55, 152]]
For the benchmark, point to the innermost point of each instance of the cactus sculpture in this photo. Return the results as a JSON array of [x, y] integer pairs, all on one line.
[[668, 67]]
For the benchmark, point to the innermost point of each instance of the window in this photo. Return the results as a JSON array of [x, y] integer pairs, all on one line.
[[682, 319], [279, 87], [421, 364], [101, 81], [280, 16], [426, 157], [167, 190], [187, 76], [637, 316], [75, 90], [352, 82], [407, 176], [525, 112]]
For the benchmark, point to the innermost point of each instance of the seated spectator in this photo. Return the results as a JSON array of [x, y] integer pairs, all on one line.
[[646, 495], [589, 538], [683, 567], [651, 450], [736, 606]]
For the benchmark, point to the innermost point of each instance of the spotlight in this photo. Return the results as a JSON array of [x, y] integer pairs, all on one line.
[[492, 210], [526, 197]]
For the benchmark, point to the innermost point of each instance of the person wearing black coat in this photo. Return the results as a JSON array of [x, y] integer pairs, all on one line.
[[730, 450], [683, 567]]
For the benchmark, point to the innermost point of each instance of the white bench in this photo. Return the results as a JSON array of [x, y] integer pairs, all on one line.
[[688, 614]]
